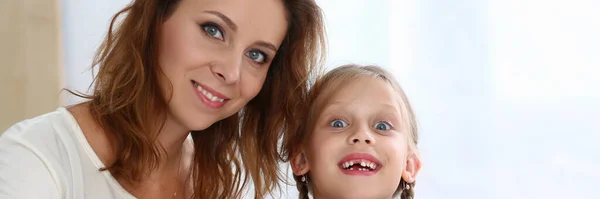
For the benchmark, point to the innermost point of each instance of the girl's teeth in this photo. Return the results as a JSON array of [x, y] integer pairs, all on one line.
[[366, 165]]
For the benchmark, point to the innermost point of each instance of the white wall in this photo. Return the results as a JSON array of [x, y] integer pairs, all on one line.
[[507, 92], [544, 68], [85, 23]]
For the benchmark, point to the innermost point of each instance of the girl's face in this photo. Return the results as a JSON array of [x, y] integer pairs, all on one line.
[[357, 148], [216, 55]]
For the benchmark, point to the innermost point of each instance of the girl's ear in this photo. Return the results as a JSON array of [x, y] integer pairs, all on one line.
[[299, 164], [413, 165]]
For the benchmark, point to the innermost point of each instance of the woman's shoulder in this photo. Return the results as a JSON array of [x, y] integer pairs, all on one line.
[[43, 126], [47, 133], [42, 154]]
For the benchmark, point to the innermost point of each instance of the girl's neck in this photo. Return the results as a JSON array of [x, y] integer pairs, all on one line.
[[317, 195]]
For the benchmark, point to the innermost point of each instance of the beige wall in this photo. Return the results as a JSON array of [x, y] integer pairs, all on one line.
[[30, 66]]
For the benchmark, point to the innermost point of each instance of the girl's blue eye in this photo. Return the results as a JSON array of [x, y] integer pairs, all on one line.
[[382, 126], [338, 123]]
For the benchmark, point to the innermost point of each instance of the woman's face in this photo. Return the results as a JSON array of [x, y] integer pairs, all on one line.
[[216, 54]]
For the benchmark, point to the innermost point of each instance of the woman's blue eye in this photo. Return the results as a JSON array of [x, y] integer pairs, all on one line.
[[338, 124], [213, 31], [257, 56], [382, 126]]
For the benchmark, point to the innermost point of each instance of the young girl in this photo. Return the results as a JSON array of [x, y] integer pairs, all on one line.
[[231, 72], [358, 140]]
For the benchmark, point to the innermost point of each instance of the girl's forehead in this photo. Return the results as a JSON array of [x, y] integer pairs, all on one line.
[[365, 93], [367, 87]]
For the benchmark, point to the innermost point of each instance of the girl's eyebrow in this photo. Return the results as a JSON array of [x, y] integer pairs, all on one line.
[[382, 106]]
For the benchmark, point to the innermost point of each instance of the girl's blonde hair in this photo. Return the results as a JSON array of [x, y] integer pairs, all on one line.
[[319, 95]]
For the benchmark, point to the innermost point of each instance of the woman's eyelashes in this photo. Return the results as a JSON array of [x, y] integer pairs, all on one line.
[[257, 56], [213, 30]]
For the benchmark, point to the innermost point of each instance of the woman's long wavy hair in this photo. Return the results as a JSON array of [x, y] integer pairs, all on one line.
[[127, 102], [319, 96]]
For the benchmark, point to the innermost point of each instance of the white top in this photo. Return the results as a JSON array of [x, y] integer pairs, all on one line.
[[49, 157]]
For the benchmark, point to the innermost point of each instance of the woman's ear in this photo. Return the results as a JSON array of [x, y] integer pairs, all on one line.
[[299, 164], [413, 166]]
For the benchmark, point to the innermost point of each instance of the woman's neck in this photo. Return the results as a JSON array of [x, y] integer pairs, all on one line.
[[172, 138], [173, 168]]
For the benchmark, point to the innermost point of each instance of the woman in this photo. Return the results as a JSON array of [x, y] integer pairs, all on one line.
[[231, 72]]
